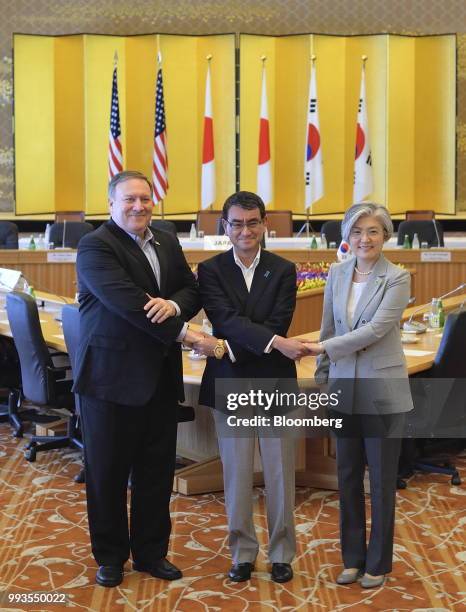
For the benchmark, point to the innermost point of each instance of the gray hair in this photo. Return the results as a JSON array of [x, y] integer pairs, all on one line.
[[126, 175], [366, 209]]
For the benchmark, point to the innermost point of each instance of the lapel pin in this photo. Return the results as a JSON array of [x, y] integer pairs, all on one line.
[[157, 243], [267, 274]]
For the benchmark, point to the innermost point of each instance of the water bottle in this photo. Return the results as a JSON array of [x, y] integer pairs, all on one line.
[[32, 244], [441, 314], [192, 232], [406, 243], [416, 244], [47, 235], [313, 243], [434, 318], [323, 242]]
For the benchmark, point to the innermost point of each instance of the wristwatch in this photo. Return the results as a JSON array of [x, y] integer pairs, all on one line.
[[220, 349]]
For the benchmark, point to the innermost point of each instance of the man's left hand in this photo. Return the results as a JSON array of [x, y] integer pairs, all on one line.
[[158, 309]]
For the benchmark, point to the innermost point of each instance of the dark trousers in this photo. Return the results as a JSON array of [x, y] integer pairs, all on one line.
[[121, 440], [382, 455]]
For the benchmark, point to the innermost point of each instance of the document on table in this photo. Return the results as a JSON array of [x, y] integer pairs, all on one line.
[[417, 353]]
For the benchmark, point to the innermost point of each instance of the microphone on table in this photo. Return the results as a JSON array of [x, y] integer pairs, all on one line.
[[416, 327]]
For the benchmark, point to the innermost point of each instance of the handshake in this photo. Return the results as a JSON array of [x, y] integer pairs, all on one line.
[[202, 343], [293, 348], [158, 310]]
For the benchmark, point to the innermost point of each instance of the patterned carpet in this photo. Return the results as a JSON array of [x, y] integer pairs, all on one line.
[[45, 547]]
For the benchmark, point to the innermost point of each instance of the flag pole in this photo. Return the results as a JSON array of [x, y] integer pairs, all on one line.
[[209, 59], [308, 223], [159, 65]]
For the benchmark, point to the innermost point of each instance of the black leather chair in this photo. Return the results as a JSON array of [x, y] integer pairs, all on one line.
[[74, 231], [10, 382], [332, 231], [70, 322], [441, 407], [427, 231], [165, 226], [419, 215], [43, 383], [8, 235]]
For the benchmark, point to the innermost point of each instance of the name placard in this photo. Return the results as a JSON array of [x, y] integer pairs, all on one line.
[[9, 278], [61, 257], [216, 243], [436, 256]]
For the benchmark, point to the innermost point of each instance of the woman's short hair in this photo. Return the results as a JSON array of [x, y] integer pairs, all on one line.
[[366, 209]]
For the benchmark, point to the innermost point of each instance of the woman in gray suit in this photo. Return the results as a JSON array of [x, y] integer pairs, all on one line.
[[361, 355]]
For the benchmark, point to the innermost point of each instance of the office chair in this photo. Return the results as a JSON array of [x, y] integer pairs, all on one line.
[[70, 215], [427, 231], [419, 215], [70, 322], [43, 383], [74, 231], [10, 380], [444, 405], [165, 226], [8, 235], [332, 231], [206, 221]]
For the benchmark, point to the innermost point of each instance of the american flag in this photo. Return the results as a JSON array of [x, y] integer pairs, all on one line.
[[115, 152], [159, 157]]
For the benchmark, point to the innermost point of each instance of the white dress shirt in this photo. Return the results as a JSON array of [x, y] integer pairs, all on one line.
[[146, 244], [248, 275]]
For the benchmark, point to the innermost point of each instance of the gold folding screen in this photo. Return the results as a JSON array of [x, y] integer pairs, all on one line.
[[62, 104], [67, 116], [410, 86]]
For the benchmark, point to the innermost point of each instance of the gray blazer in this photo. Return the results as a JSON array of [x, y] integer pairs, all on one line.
[[365, 356]]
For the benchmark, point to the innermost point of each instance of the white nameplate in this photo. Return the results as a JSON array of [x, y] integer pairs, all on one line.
[[436, 256], [61, 257], [9, 278], [216, 243]]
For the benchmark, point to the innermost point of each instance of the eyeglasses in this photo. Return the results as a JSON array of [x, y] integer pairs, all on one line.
[[239, 225], [370, 233]]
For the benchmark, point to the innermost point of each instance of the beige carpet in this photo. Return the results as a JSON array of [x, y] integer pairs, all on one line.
[[45, 547]]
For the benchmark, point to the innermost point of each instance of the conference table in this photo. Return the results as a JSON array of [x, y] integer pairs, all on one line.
[[435, 271], [197, 439]]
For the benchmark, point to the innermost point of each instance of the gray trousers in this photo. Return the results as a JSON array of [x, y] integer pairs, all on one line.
[[382, 458], [278, 463]]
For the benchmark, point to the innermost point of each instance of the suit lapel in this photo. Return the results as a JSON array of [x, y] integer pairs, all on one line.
[[345, 279], [234, 277], [133, 249], [163, 263], [373, 286]]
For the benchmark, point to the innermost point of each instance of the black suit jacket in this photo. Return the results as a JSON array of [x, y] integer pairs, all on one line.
[[121, 352], [247, 320]]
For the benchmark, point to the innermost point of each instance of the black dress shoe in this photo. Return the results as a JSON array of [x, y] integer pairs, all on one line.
[[109, 575], [281, 572], [161, 568], [239, 572]]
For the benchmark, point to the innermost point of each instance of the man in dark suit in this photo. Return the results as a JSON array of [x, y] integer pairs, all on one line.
[[136, 293], [249, 295]]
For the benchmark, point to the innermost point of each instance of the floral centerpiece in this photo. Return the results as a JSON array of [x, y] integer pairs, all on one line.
[[311, 275]]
